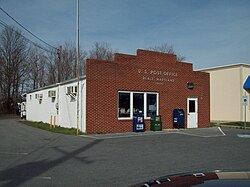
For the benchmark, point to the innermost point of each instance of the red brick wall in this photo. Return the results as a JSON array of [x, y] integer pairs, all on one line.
[[104, 79]]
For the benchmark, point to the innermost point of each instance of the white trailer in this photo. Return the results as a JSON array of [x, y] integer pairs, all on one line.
[[57, 104]]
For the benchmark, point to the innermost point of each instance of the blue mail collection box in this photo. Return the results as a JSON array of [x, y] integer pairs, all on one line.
[[178, 118], [138, 123]]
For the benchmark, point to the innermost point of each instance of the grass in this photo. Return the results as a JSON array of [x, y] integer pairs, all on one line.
[[72, 131], [56, 129], [236, 124]]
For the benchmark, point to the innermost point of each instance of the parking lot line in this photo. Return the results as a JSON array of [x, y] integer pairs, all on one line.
[[222, 131], [89, 136], [198, 135], [124, 135], [189, 134], [45, 178], [243, 135], [203, 133], [11, 153]]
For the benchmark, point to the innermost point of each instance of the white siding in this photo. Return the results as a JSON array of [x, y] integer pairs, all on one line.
[[36, 111], [66, 114]]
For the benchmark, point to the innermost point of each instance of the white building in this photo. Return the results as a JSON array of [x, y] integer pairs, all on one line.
[[226, 92], [56, 104]]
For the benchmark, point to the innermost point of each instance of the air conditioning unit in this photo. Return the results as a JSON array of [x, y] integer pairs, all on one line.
[[71, 90], [51, 93], [40, 96], [73, 95]]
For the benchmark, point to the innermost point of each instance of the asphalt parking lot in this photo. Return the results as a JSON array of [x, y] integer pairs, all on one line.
[[204, 132], [33, 157]]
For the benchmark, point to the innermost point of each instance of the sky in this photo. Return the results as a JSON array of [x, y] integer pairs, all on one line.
[[208, 33]]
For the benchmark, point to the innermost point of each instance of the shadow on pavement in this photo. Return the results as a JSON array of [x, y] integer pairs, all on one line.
[[24, 172]]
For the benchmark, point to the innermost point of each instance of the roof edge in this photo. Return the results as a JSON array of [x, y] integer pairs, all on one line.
[[57, 84], [225, 67]]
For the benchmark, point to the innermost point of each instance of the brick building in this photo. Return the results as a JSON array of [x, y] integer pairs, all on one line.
[[151, 82]]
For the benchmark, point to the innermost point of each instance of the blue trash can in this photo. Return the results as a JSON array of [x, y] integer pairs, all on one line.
[[138, 123], [178, 118]]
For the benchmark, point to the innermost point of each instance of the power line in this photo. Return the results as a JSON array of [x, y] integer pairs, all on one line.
[[28, 40], [3, 24], [27, 29]]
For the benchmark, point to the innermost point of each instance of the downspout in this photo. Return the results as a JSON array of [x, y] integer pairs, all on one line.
[[82, 100]]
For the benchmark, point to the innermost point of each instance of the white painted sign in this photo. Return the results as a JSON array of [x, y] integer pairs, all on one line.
[[245, 100], [157, 75]]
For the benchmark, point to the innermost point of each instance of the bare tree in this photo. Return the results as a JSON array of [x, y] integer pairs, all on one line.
[[68, 66], [166, 48], [55, 66], [52, 70], [83, 56], [2, 85], [101, 51], [35, 66], [24, 67], [13, 54], [66, 63]]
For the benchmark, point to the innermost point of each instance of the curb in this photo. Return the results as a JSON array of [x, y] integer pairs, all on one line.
[[233, 127]]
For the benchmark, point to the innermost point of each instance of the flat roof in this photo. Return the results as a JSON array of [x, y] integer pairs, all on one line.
[[57, 84], [225, 67]]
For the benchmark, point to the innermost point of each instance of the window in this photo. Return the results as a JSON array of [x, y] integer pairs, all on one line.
[[138, 103], [130, 103], [151, 104], [192, 106], [70, 89], [52, 93], [124, 105]]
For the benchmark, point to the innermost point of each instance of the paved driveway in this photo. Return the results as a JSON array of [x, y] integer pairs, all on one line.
[[33, 157]]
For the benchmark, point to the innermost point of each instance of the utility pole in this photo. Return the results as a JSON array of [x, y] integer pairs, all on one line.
[[78, 67], [59, 65]]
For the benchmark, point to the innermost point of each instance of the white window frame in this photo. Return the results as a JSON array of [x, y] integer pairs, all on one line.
[[131, 104]]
